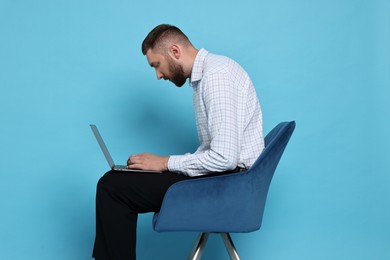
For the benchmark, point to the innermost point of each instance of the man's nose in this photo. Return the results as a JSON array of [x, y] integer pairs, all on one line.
[[159, 75]]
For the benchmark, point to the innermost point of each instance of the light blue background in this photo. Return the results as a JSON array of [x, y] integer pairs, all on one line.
[[65, 64]]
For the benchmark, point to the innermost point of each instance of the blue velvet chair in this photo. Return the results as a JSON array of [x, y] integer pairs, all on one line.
[[232, 203]]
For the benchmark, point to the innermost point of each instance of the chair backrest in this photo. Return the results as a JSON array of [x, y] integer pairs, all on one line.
[[263, 169]]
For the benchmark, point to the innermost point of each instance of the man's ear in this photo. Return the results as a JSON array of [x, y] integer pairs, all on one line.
[[175, 51]]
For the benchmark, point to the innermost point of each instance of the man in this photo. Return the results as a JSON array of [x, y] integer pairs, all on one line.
[[229, 124]]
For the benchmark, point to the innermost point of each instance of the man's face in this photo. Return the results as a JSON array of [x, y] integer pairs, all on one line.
[[166, 68]]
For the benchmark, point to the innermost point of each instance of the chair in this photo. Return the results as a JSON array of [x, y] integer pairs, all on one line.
[[232, 203]]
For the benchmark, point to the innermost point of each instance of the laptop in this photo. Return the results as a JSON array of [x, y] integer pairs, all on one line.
[[109, 159]]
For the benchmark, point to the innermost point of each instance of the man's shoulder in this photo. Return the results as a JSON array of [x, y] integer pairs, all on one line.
[[212, 58], [215, 63]]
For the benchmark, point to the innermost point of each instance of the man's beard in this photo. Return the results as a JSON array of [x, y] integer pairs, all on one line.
[[176, 71]]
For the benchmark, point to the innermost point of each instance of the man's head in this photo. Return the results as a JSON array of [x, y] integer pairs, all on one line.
[[170, 53]]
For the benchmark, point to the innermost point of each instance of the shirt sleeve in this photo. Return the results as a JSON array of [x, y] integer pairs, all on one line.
[[220, 103]]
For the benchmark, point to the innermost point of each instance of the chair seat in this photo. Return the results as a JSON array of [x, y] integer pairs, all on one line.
[[214, 204]]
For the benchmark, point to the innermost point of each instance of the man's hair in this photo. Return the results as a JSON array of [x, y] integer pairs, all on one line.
[[162, 34]]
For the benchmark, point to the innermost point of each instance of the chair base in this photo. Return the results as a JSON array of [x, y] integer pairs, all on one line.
[[200, 244]]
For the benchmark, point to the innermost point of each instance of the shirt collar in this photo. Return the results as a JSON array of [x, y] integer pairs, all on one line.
[[197, 68]]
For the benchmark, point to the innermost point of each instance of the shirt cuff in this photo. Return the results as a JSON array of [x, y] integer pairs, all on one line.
[[175, 163]]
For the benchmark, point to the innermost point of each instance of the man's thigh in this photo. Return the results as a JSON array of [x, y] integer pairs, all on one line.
[[141, 191]]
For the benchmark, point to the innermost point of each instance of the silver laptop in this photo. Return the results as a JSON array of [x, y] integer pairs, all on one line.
[[108, 156]]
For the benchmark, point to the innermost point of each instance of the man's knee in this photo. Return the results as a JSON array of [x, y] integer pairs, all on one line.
[[106, 181]]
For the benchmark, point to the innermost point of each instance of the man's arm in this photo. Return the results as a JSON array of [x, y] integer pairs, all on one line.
[[221, 152]]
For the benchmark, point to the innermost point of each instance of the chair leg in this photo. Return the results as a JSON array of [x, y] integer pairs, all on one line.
[[199, 246], [230, 246]]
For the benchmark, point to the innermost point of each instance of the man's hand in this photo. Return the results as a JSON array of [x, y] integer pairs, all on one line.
[[147, 161]]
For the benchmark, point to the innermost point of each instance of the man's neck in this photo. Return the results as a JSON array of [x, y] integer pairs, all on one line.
[[190, 59]]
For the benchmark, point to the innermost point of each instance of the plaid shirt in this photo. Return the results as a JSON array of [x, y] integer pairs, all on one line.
[[228, 118]]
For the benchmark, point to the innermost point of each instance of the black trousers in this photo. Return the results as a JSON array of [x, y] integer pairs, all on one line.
[[120, 197]]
